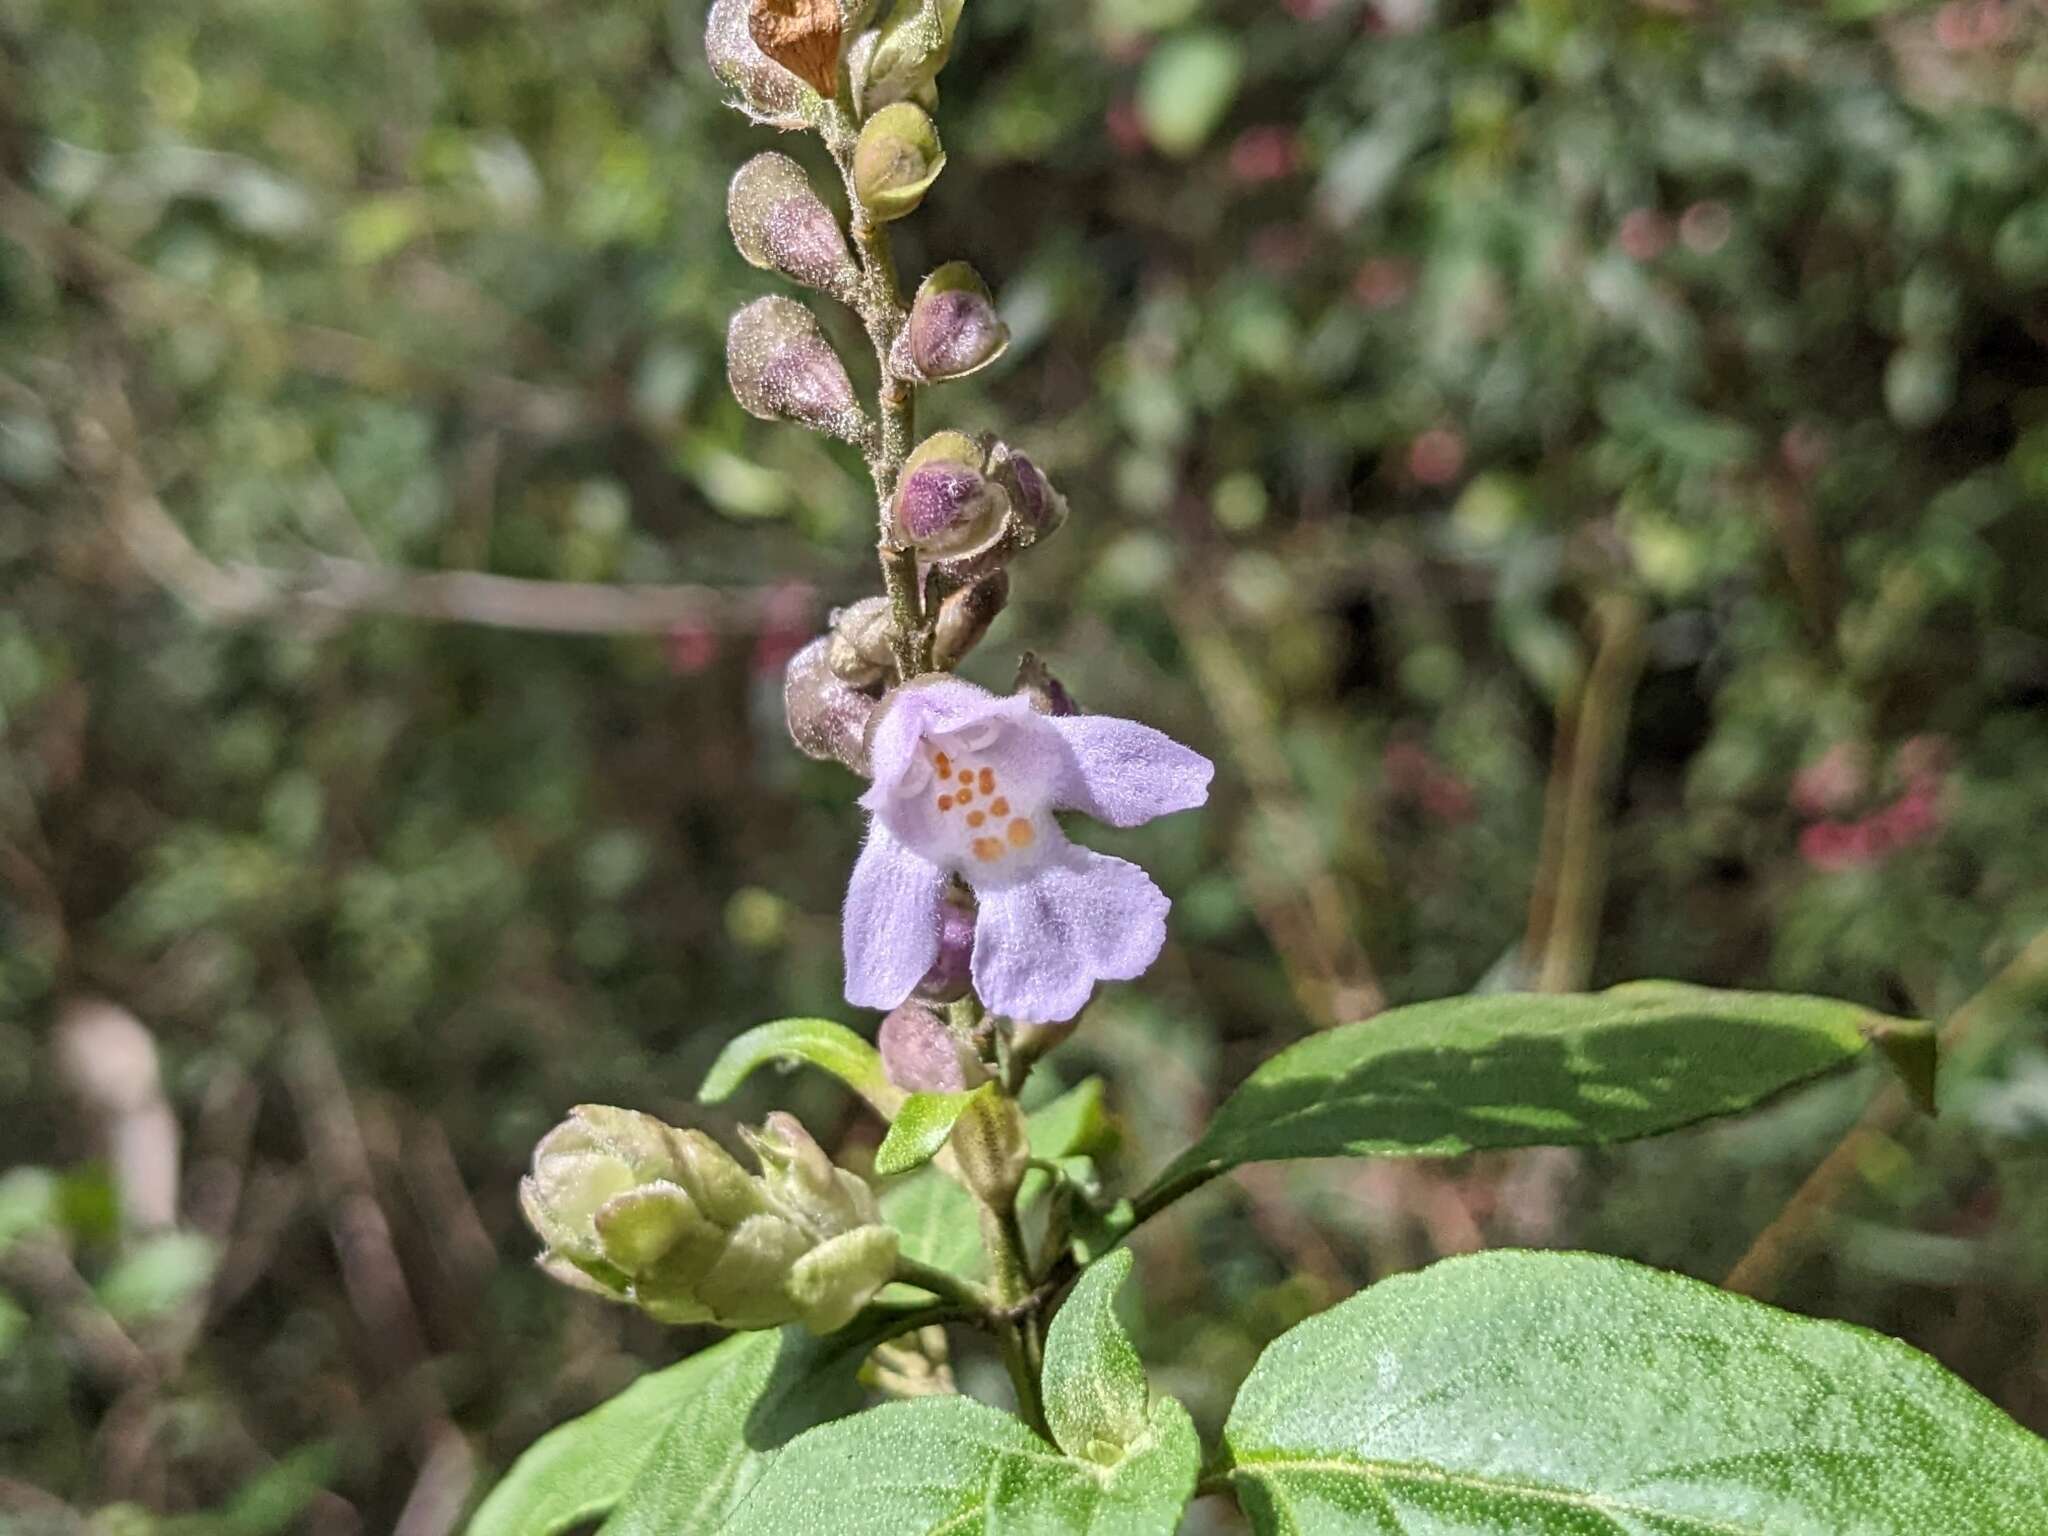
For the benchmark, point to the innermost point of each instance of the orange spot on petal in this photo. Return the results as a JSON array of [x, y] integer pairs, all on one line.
[[987, 849], [988, 781], [975, 818], [1001, 807], [964, 796], [944, 764], [945, 802], [966, 775], [1021, 834]]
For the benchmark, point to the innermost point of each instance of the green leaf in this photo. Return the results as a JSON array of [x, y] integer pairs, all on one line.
[[1094, 1383], [819, 1043], [687, 1441], [1187, 85], [944, 1466], [717, 1447], [159, 1275], [1572, 1395], [1073, 1125], [920, 1128], [938, 1223], [1519, 1069]]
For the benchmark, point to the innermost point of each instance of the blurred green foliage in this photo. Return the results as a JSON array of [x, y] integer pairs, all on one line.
[[1377, 347]]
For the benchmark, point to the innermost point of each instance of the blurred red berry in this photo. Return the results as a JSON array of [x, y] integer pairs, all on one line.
[[692, 647], [1645, 234], [1270, 152], [1383, 282], [1437, 457]]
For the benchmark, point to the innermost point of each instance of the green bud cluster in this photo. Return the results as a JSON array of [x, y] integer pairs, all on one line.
[[667, 1220]]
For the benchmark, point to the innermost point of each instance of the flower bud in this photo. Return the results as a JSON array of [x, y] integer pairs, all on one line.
[[802, 36], [950, 977], [1039, 509], [861, 632], [1048, 695], [802, 1183], [760, 87], [991, 1147], [944, 506], [896, 161], [591, 1157], [827, 716], [781, 366], [640, 1212], [780, 224], [906, 52], [953, 328], [965, 617], [841, 1275], [921, 1053]]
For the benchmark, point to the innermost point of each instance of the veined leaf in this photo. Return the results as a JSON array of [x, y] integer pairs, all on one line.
[[920, 1128], [1570, 1395], [1096, 1400], [680, 1445], [946, 1466], [819, 1043], [1522, 1069]]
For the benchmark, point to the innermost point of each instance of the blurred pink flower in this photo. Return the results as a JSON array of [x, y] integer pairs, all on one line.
[[692, 646], [1383, 282], [1835, 779]]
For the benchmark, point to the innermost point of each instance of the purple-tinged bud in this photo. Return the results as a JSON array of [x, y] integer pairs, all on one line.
[[953, 329], [922, 1055], [945, 507], [828, 717], [951, 975], [760, 87], [965, 617], [780, 224], [1048, 695], [860, 652], [781, 367], [1039, 509], [896, 161]]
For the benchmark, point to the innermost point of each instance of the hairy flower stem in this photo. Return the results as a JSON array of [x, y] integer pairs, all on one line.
[[1018, 1328], [879, 303]]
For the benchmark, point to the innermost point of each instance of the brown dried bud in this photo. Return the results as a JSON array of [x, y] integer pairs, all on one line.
[[1037, 507], [781, 366], [800, 35], [1048, 695], [779, 223], [761, 88], [828, 717], [953, 329], [945, 507], [965, 617]]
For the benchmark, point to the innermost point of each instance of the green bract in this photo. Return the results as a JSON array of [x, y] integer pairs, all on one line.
[[896, 161]]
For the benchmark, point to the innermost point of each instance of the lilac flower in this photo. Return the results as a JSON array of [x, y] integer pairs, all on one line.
[[966, 783]]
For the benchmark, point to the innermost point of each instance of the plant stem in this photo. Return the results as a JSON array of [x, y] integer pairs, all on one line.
[[879, 303], [1018, 1335], [948, 1287]]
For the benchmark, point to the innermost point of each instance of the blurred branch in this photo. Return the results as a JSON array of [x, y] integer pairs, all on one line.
[[1758, 1271], [1305, 910], [140, 296], [1571, 881], [107, 452]]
